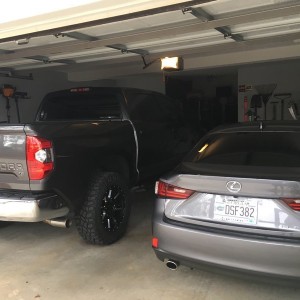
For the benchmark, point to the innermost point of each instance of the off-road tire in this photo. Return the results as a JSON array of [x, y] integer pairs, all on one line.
[[104, 215]]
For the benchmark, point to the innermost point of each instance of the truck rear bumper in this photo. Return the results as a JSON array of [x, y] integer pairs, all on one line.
[[31, 208]]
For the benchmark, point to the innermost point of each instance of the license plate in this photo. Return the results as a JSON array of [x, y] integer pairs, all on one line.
[[235, 210]]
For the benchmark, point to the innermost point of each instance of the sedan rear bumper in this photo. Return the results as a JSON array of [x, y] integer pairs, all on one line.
[[31, 208], [194, 247]]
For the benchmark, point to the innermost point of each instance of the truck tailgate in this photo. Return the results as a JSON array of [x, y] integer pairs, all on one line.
[[13, 167]]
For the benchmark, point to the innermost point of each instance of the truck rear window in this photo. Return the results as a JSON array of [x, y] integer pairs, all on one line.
[[81, 107], [262, 149]]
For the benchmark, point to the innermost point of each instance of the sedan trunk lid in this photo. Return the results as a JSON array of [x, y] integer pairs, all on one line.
[[245, 205]]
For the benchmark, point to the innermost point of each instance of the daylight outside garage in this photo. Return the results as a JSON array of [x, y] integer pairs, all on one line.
[[235, 62]]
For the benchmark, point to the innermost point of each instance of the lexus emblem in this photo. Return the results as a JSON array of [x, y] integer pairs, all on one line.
[[233, 186]]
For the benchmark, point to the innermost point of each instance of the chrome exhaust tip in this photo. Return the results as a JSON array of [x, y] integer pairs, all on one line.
[[59, 222], [172, 264]]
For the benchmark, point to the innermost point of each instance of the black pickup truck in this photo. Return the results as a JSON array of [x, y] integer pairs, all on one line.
[[86, 147]]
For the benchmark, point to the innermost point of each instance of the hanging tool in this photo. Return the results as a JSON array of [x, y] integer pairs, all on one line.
[[246, 115], [10, 92], [7, 92], [293, 110], [274, 104], [282, 97], [17, 96], [265, 91], [256, 103]]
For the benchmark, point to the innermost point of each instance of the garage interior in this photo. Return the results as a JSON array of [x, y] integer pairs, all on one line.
[[232, 51]]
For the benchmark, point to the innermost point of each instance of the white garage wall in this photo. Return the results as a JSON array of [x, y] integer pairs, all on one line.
[[36, 89], [285, 74], [207, 84], [42, 83], [45, 82], [153, 82]]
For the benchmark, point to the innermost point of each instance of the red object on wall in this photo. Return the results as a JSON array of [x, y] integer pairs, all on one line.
[[246, 117]]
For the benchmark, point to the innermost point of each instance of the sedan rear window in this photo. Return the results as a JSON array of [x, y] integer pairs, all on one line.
[[280, 149]]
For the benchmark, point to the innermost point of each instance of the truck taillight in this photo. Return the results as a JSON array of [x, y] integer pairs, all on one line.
[[166, 190], [293, 203], [39, 156]]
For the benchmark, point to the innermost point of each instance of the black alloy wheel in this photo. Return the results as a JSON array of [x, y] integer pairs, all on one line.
[[113, 208], [105, 213]]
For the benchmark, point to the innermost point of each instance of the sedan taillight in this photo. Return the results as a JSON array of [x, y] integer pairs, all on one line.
[[39, 156], [165, 190], [293, 203]]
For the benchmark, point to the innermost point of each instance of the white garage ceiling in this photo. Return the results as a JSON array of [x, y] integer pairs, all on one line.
[[205, 33]]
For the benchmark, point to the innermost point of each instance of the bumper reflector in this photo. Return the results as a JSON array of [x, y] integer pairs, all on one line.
[[155, 242]]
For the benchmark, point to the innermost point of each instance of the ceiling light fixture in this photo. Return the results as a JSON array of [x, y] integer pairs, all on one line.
[[172, 63]]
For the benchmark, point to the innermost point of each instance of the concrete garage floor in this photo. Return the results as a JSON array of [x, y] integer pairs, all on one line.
[[38, 261]]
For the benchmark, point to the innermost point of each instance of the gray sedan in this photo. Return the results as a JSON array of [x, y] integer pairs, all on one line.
[[234, 202]]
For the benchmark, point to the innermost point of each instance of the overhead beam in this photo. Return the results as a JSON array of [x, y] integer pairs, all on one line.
[[6, 51], [199, 13], [10, 73], [124, 49], [47, 60], [226, 31], [77, 36]]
